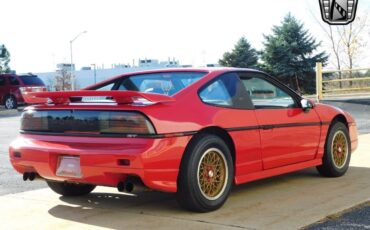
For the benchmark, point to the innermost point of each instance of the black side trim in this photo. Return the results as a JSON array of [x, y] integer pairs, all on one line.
[[275, 126], [113, 135], [297, 124], [242, 128], [179, 134]]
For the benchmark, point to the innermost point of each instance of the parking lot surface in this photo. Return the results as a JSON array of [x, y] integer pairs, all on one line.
[[355, 218], [10, 181], [289, 201]]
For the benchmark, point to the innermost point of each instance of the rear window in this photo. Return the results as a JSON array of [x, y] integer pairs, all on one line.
[[31, 80], [167, 83]]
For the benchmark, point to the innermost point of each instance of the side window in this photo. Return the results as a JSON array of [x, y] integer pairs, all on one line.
[[2, 81], [14, 81], [106, 87], [266, 95], [227, 91]]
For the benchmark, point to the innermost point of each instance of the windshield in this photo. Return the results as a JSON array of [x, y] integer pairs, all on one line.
[[167, 83], [31, 80]]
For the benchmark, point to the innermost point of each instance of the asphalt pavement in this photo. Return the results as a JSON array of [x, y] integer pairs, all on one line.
[[359, 108], [356, 218], [10, 181]]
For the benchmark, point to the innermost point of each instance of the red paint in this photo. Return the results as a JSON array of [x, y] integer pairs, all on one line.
[[259, 152]]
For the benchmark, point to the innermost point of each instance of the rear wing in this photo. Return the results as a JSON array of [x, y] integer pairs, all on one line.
[[120, 97]]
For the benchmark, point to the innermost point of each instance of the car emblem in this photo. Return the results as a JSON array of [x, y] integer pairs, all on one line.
[[338, 12]]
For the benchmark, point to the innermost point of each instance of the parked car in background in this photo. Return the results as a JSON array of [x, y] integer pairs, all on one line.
[[194, 132], [12, 86]]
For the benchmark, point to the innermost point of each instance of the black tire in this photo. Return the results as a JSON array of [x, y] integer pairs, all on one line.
[[69, 189], [190, 193], [338, 135], [10, 102]]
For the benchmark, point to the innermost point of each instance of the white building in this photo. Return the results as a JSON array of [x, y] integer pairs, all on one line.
[[89, 76]]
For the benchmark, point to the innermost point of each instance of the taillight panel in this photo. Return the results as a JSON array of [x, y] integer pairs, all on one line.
[[86, 121]]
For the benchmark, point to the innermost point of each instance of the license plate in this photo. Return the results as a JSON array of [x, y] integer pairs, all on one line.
[[69, 166]]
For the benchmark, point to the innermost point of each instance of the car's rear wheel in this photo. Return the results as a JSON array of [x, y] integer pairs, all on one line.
[[337, 152], [70, 189], [10, 102], [206, 174]]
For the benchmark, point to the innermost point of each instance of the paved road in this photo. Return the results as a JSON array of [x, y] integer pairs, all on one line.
[[10, 181], [358, 108], [356, 218]]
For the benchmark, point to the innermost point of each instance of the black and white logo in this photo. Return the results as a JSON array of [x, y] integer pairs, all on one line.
[[338, 12]]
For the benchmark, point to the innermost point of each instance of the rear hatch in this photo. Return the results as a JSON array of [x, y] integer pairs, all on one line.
[[31, 83], [66, 113]]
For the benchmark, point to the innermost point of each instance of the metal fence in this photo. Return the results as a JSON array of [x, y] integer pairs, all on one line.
[[343, 82]]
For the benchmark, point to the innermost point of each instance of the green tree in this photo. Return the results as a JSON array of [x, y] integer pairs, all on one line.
[[4, 59], [289, 54], [243, 55]]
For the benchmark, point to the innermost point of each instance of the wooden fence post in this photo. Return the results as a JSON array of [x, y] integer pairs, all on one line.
[[319, 95]]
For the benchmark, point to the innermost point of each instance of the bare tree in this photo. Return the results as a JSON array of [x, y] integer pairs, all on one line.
[[352, 38], [63, 81], [335, 46], [347, 43]]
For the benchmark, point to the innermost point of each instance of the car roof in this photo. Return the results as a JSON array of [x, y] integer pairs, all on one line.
[[193, 69], [180, 69]]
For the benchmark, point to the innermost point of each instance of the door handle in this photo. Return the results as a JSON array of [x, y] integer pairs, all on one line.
[[266, 127]]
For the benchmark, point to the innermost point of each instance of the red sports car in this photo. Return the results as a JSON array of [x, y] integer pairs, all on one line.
[[193, 132]]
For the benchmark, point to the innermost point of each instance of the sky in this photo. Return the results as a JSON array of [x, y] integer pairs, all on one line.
[[38, 32]]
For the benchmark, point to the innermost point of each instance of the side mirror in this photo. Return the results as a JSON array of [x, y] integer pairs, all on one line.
[[307, 105]]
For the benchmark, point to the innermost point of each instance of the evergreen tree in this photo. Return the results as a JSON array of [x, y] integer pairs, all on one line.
[[243, 55], [4, 59], [289, 54]]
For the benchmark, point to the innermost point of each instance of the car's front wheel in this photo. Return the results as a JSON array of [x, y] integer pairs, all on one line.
[[10, 102], [206, 174], [70, 189], [337, 152]]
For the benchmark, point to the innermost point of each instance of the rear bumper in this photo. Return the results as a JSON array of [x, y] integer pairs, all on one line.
[[155, 161]]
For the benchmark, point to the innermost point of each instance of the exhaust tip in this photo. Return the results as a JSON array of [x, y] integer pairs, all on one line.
[[26, 175], [129, 187], [121, 186], [32, 176]]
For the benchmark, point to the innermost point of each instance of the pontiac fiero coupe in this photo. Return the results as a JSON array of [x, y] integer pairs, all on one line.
[[193, 132]]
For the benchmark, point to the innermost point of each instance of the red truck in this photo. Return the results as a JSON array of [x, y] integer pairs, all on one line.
[[12, 86]]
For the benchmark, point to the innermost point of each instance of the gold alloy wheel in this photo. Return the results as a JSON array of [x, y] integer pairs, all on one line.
[[212, 174], [339, 149]]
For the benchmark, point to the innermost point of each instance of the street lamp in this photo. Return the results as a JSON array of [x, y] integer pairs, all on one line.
[[94, 72], [72, 69]]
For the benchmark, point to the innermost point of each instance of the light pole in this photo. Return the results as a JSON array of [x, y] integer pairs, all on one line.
[[94, 72], [72, 68]]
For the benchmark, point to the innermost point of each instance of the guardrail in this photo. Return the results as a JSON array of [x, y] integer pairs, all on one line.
[[346, 82]]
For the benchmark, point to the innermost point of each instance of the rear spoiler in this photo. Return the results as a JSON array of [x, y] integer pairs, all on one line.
[[120, 97]]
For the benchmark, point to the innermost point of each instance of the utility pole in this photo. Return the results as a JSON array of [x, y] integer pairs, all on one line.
[[72, 67], [94, 72]]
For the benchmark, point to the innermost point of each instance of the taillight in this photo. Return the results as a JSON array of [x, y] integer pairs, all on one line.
[[86, 121], [23, 89], [32, 89]]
